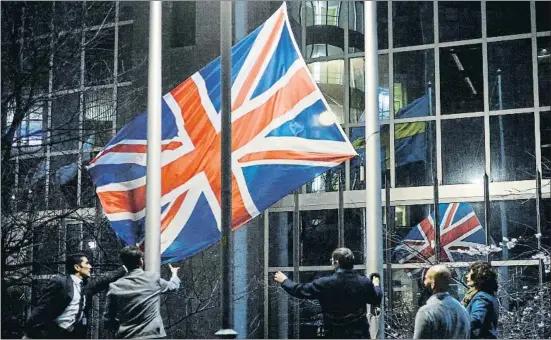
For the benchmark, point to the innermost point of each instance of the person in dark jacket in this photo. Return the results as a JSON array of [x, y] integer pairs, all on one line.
[[343, 296], [480, 300], [62, 310]]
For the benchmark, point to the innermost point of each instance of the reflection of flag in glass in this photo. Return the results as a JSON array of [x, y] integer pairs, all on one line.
[[65, 173], [409, 138], [278, 144], [460, 230]]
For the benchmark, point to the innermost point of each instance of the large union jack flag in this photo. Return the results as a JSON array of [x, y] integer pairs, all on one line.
[[460, 230], [278, 144]]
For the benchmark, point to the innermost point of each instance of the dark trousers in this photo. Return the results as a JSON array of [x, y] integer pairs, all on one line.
[[354, 330], [53, 331]]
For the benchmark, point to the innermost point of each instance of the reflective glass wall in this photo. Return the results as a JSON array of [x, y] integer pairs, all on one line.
[[463, 93]]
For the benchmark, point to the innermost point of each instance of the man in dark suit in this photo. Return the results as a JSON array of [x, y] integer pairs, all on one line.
[[132, 308], [62, 310], [343, 296]]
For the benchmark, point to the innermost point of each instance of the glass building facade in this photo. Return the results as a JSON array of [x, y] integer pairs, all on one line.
[[464, 91]]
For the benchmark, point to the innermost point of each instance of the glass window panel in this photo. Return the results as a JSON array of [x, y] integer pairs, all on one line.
[[31, 135], [412, 23], [311, 317], [413, 71], [126, 9], [325, 23], [406, 294], [125, 63], [281, 310], [545, 135], [357, 164], [459, 20], [37, 18], [414, 153], [329, 77], [281, 239], [66, 73], [129, 104], [183, 23], [406, 218], [294, 10], [87, 188], [73, 238], [328, 181], [463, 150], [31, 191], [544, 70], [99, 110], [65, 122], [462, 232], [99, 56], [10, 195], [513, 226], [46, 250], [357, 89], [507, 17], [461, 79], [510, 74], [356, 26], [512, 147], [100, 12], [543, 11], [31, 63], [63, 181], [354, 235], [319, 236], [37, 289], [409, 293], [545, 215], [462, 235]]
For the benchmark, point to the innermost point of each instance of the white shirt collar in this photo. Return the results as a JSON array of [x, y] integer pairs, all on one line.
[[76, 279]]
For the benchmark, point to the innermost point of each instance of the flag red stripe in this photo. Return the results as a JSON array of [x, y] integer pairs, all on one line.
[[250, 125], [123, 201], [288, 154], [450, 216], [136, 148], [459, 232]]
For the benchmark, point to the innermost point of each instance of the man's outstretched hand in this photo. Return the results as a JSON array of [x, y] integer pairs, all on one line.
[[375, 278], [279, 277], [174, 270]]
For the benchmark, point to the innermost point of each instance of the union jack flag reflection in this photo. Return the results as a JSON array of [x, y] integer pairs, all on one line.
[[460, 232]]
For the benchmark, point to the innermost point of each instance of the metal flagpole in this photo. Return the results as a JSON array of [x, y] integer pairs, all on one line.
[[487, 212], [504, 272], [538, 221], [390, 216], [226, 331], [152, 257], [374, 232]]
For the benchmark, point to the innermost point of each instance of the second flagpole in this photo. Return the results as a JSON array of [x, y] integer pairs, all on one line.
[[226, 331]]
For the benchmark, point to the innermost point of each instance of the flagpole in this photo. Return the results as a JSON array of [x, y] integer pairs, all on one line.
[[226, 331], [374, 233], [153, 176], [487, 212]]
